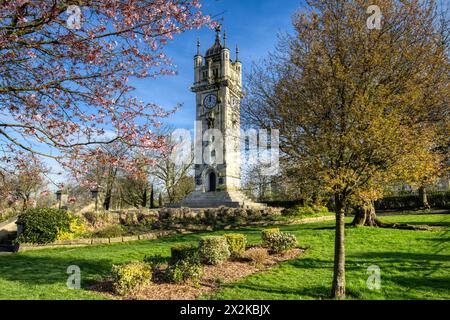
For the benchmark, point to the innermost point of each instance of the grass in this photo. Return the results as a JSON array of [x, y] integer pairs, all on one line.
[[414, 264]]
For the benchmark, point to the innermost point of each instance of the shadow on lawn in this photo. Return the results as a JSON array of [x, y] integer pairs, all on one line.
[[316, 292], [49, 270], [425, 263], [399, 257], [426, 283]]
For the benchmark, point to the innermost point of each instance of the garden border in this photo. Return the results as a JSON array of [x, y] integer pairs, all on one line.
[[95, 241], [74, 243]]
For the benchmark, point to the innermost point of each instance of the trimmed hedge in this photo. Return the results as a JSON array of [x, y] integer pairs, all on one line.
[[438, 200], [127, 277], [266, 233], [42, 226], [236, 244], [217, 218], [183, 252], [186, 270], [213, 250], [280, 242], [284, 204]]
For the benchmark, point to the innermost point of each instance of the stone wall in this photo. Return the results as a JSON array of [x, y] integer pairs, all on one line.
[[95, 241]]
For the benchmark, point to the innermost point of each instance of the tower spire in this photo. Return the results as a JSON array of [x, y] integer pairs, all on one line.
[[218, 30], [237, 53], [224, 39], [198, 46]]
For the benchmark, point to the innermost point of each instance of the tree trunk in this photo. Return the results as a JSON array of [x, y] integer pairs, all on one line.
[[423, 198], [152, 198], [160, 201], [338, 291], [109, 187], [24, 204], [360, 217], [366, 216], [107, 201], [144, 198]]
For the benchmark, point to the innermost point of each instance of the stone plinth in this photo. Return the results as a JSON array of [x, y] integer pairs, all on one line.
[[229, 199]]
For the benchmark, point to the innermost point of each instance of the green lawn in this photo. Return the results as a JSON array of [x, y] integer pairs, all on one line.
[[414, 265]]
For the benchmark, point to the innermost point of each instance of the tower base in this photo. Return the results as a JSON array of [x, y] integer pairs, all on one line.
[[229, 199]]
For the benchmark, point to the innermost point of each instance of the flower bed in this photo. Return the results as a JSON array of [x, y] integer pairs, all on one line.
[[212, 280], [193, 271]]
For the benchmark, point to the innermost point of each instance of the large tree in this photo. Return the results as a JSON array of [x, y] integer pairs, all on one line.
[[353, 104], [25, 182], [173, 166], [64, 85]]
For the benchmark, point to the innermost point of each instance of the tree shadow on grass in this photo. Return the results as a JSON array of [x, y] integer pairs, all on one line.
[[32, 270], [397, 257], [313, 292], [427, 267], [426, 283]]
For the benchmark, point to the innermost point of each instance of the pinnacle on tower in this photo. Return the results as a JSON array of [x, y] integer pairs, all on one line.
[[198, 47]]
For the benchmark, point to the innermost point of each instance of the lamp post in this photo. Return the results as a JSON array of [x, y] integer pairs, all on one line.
[[94, 193], [59, 198]]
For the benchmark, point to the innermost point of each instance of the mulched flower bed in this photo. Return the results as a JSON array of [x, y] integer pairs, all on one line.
[[213, 277]]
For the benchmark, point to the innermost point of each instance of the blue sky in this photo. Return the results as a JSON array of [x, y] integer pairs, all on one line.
[[252, 24]]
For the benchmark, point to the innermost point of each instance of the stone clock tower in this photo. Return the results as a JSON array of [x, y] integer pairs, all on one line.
[[218, 89]]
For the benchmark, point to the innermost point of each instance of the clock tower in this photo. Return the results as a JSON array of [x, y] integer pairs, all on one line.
[[218, 89]]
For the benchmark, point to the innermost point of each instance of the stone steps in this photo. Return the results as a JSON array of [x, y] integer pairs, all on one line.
[[6, 245], [229, 199]]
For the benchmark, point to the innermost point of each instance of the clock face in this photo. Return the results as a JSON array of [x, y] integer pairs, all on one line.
[[210, 101]]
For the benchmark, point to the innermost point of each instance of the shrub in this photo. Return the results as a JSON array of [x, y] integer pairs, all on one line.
[[319, 208], [113, 231], [304, 210], [213, 250], [299, 211], [156, 262], [285, 203], [41, 226], [90, 217], [265, 233], [236, 244], [130, 276], [439, 200], [76, 230], [256, 256], [183, 252], [280, 242], [187, 270]]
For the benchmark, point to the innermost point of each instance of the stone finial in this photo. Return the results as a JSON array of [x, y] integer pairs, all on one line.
[[198, 46]]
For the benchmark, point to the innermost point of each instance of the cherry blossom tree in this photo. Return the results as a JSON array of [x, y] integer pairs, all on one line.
[[65, 68]]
